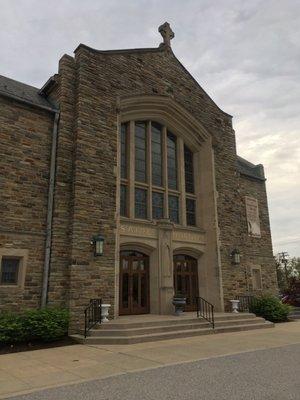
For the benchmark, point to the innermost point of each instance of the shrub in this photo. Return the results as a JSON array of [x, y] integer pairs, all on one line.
[[47, 325], [11, 328], [270, 308]]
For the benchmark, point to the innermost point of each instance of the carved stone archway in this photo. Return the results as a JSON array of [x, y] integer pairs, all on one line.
[[162, 237]]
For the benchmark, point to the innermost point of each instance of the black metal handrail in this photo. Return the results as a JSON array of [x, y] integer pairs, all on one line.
[[92, 315], [246, 301], [205, 310]]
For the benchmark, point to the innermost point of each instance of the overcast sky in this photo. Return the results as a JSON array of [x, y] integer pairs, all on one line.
[[245, 54]]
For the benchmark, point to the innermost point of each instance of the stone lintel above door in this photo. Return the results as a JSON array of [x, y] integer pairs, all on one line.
[[149, 233]]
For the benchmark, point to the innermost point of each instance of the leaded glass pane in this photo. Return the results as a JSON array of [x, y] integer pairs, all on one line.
[[124, 150], [188, 170], [140, 203], [171, 161], [9, 270], [123, 201], [190, 212], [157, 205], [140, 151], [174, 209], [156, 143]]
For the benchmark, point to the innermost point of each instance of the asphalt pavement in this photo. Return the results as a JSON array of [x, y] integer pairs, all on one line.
[[271, 374]]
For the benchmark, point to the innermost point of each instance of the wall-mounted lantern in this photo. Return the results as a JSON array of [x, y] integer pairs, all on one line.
[[98, 242], [235, 256]]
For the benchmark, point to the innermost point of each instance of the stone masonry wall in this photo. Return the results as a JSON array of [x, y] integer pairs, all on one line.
[[88, 90], [64, 95], [101, 79], [237, 280], [26, 135]]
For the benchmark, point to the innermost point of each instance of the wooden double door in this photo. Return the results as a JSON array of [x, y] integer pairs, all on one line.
[[186, 279], [134, 283]]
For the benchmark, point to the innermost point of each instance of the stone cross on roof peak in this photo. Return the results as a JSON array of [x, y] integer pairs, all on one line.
[[166, 32]]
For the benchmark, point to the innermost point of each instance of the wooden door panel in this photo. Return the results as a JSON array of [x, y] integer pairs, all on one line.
[[186, 279], [134, 294]]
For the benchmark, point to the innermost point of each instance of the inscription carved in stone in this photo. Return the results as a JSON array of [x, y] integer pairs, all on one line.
[[188, 237], [135, 230]]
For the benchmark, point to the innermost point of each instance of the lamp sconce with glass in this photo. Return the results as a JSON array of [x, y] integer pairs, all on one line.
[[235, 257], [98, 243]]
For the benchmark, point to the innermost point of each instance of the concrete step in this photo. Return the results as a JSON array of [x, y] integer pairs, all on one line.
[[295, 313], [237, 328], [115, 333], [148, 330], [294, 316], [169, 335], [117, 324], [129, 331]]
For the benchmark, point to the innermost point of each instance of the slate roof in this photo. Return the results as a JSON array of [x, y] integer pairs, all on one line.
[[22, 92], [247, 168]]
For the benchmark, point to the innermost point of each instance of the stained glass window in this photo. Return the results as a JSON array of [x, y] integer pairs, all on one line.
[[190, 212], [157, 205], [174, 209], [140, 151], [171, 160], [123, 201], [140, 203], [156, 149], [188, 170], [156, 156], [124, 151]]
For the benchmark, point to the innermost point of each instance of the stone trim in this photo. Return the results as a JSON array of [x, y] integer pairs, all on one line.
[[121, 51], [22, 254], [165, 110], [258, 268]]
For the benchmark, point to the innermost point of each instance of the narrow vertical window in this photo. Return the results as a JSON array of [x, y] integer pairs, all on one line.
[[174, 209], [140, 203], [9, 270], [156, 145], [188, 170], [140, 151], [190, 212], [172, 162], [157, 205], [123, 201], [124, 128]]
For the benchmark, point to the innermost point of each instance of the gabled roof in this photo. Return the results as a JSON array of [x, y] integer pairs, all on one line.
[[248, 169], [21, 92], [161, 48]]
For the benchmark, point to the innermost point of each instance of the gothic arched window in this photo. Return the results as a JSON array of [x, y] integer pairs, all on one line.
[[157, 174]]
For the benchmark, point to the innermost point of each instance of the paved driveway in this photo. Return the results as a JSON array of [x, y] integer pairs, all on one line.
[[271, 374]]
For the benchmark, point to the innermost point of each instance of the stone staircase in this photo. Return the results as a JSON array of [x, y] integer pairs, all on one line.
[[150, 328], [295, 313]]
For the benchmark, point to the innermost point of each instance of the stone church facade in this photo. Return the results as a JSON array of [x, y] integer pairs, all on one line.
[[127, 145]]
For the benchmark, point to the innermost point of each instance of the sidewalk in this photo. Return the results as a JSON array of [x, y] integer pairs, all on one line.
[[32, 370]]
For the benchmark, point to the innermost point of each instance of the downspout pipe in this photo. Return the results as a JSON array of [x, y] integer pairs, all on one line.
[[48, 243]]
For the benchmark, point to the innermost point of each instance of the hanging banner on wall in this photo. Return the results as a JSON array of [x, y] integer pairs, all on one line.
[[252, 216]]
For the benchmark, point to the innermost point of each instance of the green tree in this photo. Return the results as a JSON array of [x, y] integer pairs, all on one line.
[[287, 269]]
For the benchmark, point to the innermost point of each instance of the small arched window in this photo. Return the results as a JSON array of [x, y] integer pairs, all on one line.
[[152, 185]]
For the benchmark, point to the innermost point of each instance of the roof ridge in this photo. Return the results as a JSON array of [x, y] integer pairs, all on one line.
[[19, 82], [161, 47]]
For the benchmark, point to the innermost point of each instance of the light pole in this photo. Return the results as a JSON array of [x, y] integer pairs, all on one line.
[[283, 258]]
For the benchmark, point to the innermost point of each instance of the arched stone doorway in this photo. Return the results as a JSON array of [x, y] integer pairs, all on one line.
[[134, 283], [186, 279]]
